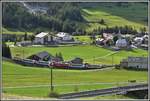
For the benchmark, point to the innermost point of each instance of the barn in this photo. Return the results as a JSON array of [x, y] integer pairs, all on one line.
[[41, 56]]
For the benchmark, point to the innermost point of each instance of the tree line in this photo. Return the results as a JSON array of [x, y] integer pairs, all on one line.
[[60, 17], [64, 17]]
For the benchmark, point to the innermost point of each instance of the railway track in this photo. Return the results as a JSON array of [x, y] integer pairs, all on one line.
[[109, 91]]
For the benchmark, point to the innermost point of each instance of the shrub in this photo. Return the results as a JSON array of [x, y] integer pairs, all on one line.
[[53, 94]]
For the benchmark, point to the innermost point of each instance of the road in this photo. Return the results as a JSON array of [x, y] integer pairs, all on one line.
[[109, 91]]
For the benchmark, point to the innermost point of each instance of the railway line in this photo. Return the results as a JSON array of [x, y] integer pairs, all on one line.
[[46, 64]]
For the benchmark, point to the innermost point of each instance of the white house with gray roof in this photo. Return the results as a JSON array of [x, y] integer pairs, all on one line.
[[43, 37]]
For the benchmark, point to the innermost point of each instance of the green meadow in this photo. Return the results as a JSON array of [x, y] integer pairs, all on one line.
[[90, 54], [38, 79]]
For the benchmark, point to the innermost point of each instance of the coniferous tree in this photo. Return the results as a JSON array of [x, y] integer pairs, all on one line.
[[6, 51]]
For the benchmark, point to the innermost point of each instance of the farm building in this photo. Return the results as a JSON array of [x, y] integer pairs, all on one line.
[[41, 56], [135, 62], [64, 36], [121, 43], [43, 38], [77, 61]]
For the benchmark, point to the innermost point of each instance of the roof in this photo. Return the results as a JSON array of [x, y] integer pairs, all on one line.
[[99, 39], [107, 36], [121, 41], [138, 39], [62, 34], [42, 54], [77, 60], [145, 36], [42, 34], [137, 59]]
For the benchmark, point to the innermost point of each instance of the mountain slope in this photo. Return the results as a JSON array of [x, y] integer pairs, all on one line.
[[74, 17]]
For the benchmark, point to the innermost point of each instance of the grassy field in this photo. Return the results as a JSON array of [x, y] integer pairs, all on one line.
[[19, 76], [134, 15], [85, 38], [12, 31], [90, 54]]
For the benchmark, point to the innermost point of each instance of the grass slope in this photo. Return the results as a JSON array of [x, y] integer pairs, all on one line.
[[87, 52], [13, 31], [14, 75], [134, 15]]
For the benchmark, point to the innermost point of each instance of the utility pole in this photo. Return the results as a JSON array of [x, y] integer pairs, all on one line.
[[23, 53], [51, 78]]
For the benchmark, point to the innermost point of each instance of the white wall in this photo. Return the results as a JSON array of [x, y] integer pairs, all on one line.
[[39, 40], [139, 64]]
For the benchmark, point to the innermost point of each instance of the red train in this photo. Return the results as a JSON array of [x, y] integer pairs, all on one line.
[[59, 64], [67, 65]]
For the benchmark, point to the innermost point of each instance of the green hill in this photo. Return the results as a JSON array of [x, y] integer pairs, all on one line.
[[134, 15], [85, 17]]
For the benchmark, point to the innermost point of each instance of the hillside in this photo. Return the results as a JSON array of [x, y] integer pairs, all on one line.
[[132, 14], [73, 17]]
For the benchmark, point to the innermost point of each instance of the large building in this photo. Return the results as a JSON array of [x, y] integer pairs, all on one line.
[[43, 38], [135, 62], [47, 38]]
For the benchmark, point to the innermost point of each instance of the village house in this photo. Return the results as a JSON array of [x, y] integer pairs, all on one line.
[[141, 42], [138, 40], [64, 36], [107, 39], [41, 56], [121, 43], [44, 38], [135, 63], [77, 60]]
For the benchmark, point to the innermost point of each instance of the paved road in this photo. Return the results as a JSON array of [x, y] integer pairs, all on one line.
[[109, 91]]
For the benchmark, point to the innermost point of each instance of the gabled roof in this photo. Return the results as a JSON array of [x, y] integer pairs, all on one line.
[[42, 54], [42, 34], [121, 41], [62, 34]]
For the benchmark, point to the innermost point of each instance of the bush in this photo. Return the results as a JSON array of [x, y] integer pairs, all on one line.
[[6, 52], [53, 94]]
